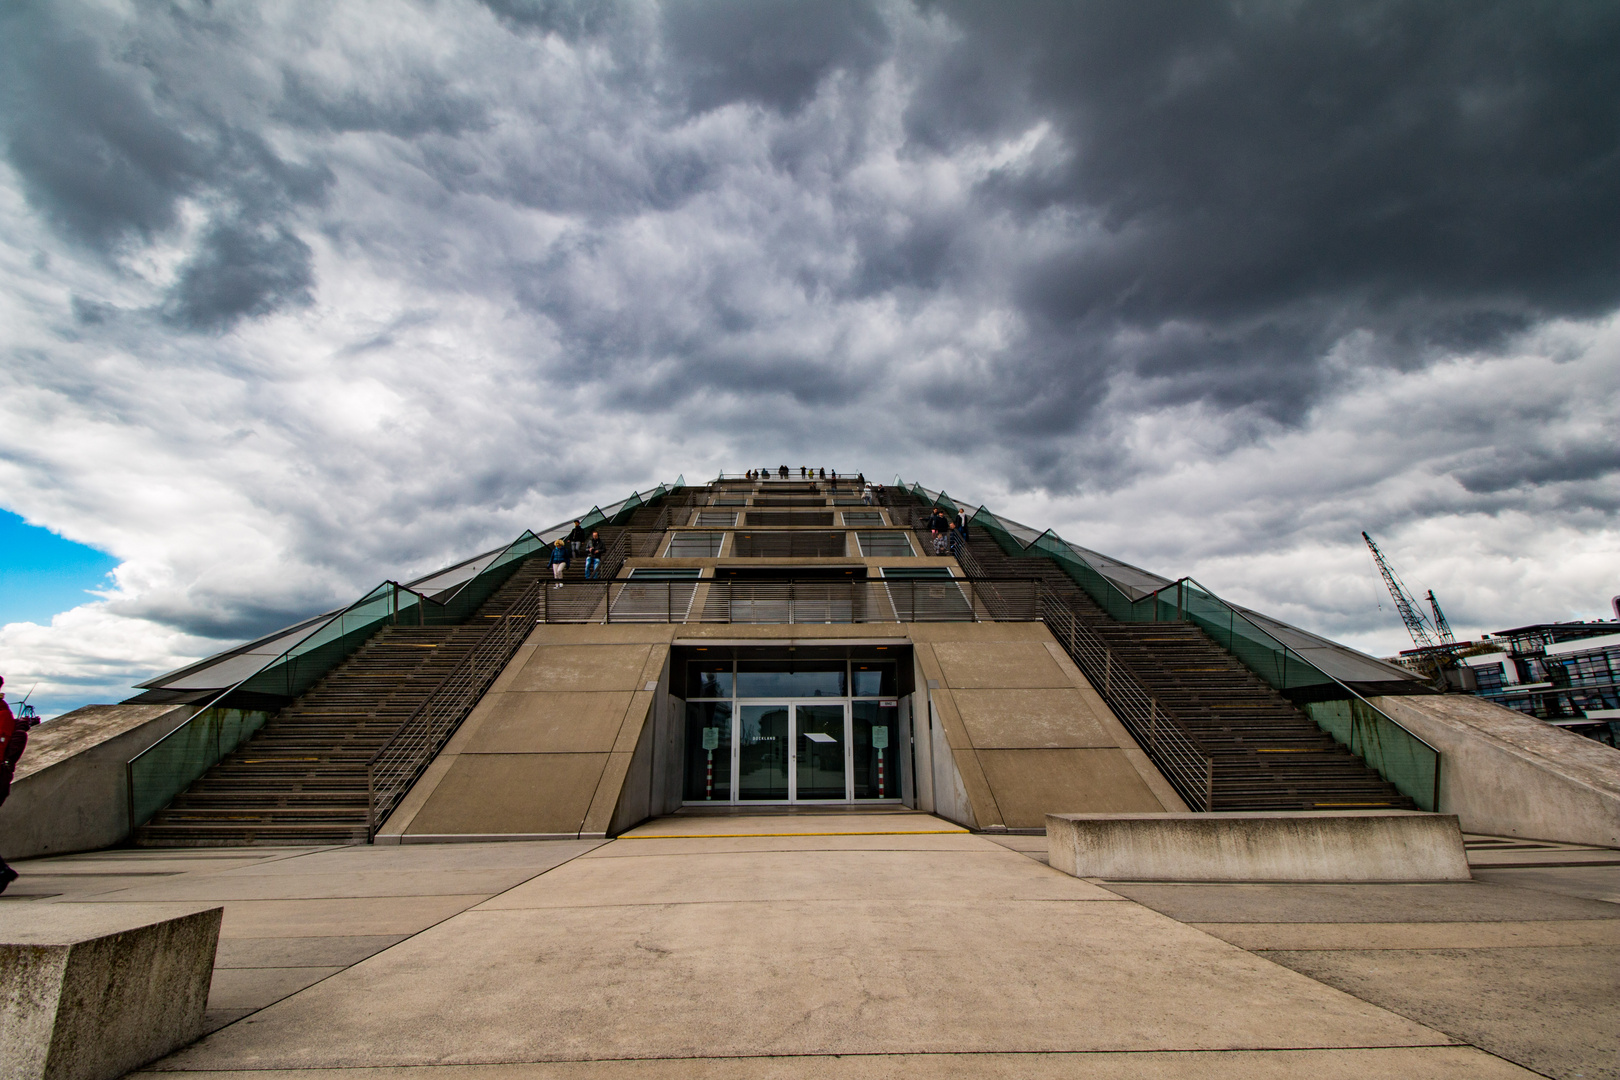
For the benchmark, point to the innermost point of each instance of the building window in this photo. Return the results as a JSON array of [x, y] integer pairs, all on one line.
[[862, 517], [789, 545], [694, 545], [884, 543], [711, 518]]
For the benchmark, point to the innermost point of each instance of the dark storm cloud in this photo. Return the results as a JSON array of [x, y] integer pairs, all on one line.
[[241, 271], [92, 151], [108, 153], [1442, 175], [1533, 467], [771, 52], [568, 19]]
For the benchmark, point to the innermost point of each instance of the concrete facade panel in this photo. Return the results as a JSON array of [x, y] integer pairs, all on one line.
[[1030, 718], [492, 794], [1028, 783], [583, 667], [985, 664], [538, 723]]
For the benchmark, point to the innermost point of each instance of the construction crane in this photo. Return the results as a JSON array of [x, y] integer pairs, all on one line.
[[1436, 645], [1441, 626]]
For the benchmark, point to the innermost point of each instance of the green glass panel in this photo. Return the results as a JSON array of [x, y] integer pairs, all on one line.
[[175, 762]]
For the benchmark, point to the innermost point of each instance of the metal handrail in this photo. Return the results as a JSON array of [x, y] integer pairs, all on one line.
[[395, 766], [1177, 752], [181, 730], [793, 600]]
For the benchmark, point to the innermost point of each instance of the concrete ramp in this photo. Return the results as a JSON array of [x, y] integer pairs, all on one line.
[[1018, 733], [71, 791], [546, 752], [1507, 774]]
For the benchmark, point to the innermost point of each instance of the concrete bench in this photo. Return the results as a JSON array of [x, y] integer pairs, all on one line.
[[91, 991], [1366, 845]]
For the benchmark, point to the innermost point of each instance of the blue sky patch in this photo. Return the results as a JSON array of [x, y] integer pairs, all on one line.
[[41, 574]]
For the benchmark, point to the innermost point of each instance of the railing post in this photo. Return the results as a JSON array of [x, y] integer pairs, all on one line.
[[1108, 672], [1153, 725], [1209, 784]]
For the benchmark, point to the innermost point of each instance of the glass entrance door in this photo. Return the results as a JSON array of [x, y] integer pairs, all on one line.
[[821, 749], [764, 746], [793, 751]]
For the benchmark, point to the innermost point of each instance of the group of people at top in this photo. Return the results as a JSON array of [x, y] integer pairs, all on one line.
[[13, 737], [949, 532], [782, 472], [577, 543]]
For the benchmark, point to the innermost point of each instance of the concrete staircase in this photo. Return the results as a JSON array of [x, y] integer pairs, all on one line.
[[301, 779], [1268, 754]]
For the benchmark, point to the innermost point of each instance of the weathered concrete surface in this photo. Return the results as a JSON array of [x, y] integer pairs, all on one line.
[[71, 790], [88, 993], [293, 916], [1018, 732], [894, 933], [1348, 846], [1508, 774], [578, 737], [1529, 973], [547, 751], [701, 960]]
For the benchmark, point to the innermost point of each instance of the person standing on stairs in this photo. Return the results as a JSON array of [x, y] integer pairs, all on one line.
[[13, 738], [594, 550], [560, 557], [576, 538]]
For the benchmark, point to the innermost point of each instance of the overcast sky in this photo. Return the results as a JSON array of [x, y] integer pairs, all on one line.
[[300, 296]]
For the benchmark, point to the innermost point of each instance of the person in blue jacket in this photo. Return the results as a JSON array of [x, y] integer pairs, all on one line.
[[560, 558]]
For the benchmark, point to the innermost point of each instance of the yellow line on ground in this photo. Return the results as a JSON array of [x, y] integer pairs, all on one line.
[[723, 835]]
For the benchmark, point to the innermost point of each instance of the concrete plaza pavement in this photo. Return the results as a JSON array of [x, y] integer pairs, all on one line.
[[845, 945]]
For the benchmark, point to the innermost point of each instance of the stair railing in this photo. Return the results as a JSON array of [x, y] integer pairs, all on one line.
[[1177, 752], [400, 761]]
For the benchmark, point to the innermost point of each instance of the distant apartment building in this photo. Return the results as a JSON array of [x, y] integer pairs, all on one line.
[[1563, 673]]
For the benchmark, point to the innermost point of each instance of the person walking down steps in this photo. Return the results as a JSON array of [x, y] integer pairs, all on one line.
[[560, 557], [594, 550], [576, 539]]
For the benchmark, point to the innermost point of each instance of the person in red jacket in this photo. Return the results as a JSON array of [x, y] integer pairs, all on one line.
[[13, 738]]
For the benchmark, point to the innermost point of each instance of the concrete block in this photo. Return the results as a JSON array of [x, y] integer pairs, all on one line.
[[91, 991], [1378, 845]]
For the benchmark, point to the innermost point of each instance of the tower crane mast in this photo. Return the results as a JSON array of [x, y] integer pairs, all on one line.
[[1441, 626], [1436, 654]]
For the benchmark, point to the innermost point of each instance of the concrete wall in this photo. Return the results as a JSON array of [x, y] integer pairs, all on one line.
[[1508, 774], [1378, 845], [547, 752], [71, 791], [1020, 733], [579, 736]]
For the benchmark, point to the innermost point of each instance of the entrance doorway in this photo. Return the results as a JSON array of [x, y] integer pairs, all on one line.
[[792, 728], [793, 751]]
